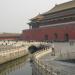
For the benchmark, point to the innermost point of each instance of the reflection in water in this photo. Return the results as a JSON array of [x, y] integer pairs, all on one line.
[[19, 66]]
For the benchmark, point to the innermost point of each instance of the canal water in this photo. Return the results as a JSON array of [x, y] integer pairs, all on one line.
[[20, 66]]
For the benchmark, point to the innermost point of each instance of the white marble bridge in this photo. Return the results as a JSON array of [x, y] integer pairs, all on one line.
[[45, 64]]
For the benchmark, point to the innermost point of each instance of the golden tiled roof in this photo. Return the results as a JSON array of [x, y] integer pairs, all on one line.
[[62, 6], [38, 17], [56, 8]]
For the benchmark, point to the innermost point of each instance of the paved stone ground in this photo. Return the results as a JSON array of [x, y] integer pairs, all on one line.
[[63, 67]]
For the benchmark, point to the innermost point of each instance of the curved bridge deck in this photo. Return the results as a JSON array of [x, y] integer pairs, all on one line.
[[51, 65], [63, 68]]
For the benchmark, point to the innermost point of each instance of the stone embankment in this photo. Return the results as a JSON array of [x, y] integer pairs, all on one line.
[[10, 50], [13, 54]]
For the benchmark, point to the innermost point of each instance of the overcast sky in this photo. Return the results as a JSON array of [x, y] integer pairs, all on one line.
[[15, 14]]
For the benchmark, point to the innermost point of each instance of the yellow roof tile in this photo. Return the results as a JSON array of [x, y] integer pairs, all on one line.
[[62, 6]]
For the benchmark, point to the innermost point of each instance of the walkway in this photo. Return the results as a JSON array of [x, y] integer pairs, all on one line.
[[63, 68]]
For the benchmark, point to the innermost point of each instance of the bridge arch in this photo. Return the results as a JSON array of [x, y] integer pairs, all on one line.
[[34, 48]]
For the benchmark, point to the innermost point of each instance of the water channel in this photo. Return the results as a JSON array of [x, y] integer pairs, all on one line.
[[20, 66]]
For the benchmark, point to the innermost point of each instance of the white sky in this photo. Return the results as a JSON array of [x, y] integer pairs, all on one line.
[[15, 14]]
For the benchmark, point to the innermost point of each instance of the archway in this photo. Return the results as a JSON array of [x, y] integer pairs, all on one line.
[[66, 37], [46, 37], [55, 36], [32, 49]]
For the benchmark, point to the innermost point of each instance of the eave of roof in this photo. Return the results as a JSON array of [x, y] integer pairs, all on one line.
[[63, 6], [56, 8], [38, 17]]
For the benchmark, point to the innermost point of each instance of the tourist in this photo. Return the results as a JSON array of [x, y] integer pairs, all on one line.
[[53, 49]]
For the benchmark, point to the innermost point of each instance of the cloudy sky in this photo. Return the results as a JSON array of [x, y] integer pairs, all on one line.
[[15, 14]]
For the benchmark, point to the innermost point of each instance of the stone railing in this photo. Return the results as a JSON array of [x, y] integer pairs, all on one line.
[[12, 54], [15, 50], [66, 56], [38, 68]]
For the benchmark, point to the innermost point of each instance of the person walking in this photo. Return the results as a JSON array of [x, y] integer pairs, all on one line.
[[53, 50]]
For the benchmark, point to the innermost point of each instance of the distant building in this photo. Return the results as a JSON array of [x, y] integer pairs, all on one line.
[[57, 24], [9, 36]]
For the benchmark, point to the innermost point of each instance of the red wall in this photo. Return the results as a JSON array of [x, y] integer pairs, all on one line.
[[8, 38], [38, 34]]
